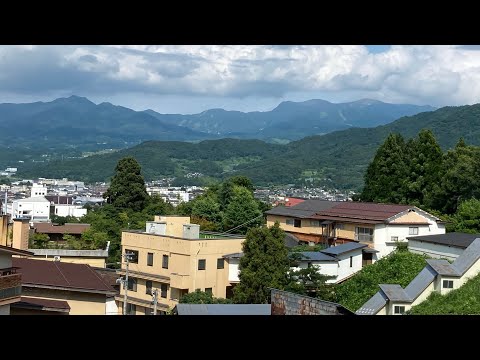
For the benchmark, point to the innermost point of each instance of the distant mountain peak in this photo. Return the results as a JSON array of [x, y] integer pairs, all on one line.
[[73, 99]]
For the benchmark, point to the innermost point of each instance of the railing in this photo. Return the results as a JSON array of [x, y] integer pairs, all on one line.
[[364, 237], [10, 285]]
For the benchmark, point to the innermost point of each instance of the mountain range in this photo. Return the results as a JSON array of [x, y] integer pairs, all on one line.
[[339, 158], [79, 123]]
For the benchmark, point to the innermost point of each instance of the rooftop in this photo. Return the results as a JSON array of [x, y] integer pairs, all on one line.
[[14, 251], [343, 248], [70, 253], [373, 212], [305, 209], [68, 228], [42, 304], [314, 256], [456, 239], [223, 309]]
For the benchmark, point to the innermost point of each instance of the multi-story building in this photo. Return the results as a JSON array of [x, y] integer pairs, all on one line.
[[380, 226], [10, 278], [35, 209], [172, 256]]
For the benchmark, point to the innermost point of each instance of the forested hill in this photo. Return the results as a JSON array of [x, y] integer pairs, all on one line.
[[340, 157]]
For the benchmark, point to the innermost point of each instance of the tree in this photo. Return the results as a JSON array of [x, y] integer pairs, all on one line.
[[62, 220], [386, 174], [311, 282], [242, 209], [157, 206], [127, 188], [95, 239], [201, 297], [226, 190], [207, 208], [40, 241], [264, 265], [467, 217]]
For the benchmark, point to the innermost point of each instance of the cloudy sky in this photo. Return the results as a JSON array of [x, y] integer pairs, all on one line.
[[191, 79]]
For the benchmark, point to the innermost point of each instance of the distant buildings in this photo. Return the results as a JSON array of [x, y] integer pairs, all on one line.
[[171, 255], [34, 209]]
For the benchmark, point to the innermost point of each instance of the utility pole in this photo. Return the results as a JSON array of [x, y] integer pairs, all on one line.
[[125, 285], [155, 301]]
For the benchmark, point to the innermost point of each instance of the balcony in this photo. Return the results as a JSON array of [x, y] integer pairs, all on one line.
[[10, 284]]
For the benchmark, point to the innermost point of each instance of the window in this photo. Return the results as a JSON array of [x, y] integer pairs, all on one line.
[[351, 261], [340, 226], [363, 234], [394, 238], [448, 284], [148, 285], [163, 291], [132, 284], [220, 263], [413, 230], [290, 221], [131, 309], [315, 223], [202, 263], [150, 259], [398, 310], [297, 223], [208, 290], [165, 262], [132, 256]]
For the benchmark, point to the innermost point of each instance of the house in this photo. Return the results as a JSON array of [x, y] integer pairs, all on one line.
[[288, 303], [171, 255], [340, 262], [34, 209], [222, 309], [38, 190], [75, 285], [66, 206], [10, 278], [447, 246], [56, 232], [380, 226], [439, 275], [110, 277]]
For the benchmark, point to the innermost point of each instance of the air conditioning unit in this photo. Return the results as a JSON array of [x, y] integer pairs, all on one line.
[[56, 258]]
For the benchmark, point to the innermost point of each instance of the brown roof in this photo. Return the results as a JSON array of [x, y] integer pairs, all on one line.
[[109, 277], [68, 228], [75, 277], [15, 251], [356, 211], [42, 304]]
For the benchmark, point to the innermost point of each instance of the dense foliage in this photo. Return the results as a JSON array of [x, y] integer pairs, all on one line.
[[417, 172], [462, 301], [202, 297], [400, 267]]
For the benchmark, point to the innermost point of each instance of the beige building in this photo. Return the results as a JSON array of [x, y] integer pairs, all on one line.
[[171, 255]]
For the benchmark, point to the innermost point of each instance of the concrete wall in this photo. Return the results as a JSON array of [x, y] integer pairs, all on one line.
[[174, 224], [5, 260], [37, 210], [306, 227], [4, 230], [434, 250], [111, 306], [425, 294], [470, 273], [286, 303], [70, 210], [344, 269], [95, 262], [21, 230]]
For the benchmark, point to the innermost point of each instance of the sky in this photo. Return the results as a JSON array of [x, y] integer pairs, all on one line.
[[190, 79]]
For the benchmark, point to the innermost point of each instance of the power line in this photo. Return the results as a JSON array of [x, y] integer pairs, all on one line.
[[245, 223]]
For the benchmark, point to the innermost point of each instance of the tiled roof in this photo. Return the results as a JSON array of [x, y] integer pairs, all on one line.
[[14, 251], [42, 304], [77, 277], [362, 211], [68, 228], [305, 209], [314, 256], [460, 240], [343, 248]]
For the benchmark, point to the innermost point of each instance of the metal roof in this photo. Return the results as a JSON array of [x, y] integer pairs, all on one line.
[[344, 248], [290, 240], [305, 209], [394, 292], [364, 210], [373, 305], [223, 309], [469, 257], [315, 256], [442, 267], [420, 283], [14, 251], [370, 250], [460, 240]]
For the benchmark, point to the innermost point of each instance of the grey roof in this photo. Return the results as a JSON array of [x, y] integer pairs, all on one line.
[[373, 305], [223, 309], [344, 248], [305, 209], [420, 283], [290, 240], [469, 257], [442, 267], [460, 240], [316, 256], [233, 256], [394, 292], [370, 250], [67, 253]]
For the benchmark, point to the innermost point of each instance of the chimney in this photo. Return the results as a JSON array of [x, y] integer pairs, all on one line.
[[21, 229], [191, 231]]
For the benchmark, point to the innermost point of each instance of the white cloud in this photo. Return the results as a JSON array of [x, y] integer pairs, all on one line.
[[437, 75]]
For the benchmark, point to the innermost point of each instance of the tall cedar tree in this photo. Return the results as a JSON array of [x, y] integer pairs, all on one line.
[[127, 188], [241, 209], [425, 159], [265, 264], [386, 174]]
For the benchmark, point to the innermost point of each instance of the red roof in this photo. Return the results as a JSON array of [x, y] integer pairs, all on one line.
[[356, 211], [293, 201], [77, 277]]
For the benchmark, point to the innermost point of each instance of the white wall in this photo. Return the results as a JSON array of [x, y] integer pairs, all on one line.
[[37, 210], [5, 260], [5, 309], [344, 269], [38, 190], [434, 250], [326, 268], [70, 210], [233, 270], [110, 306]]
